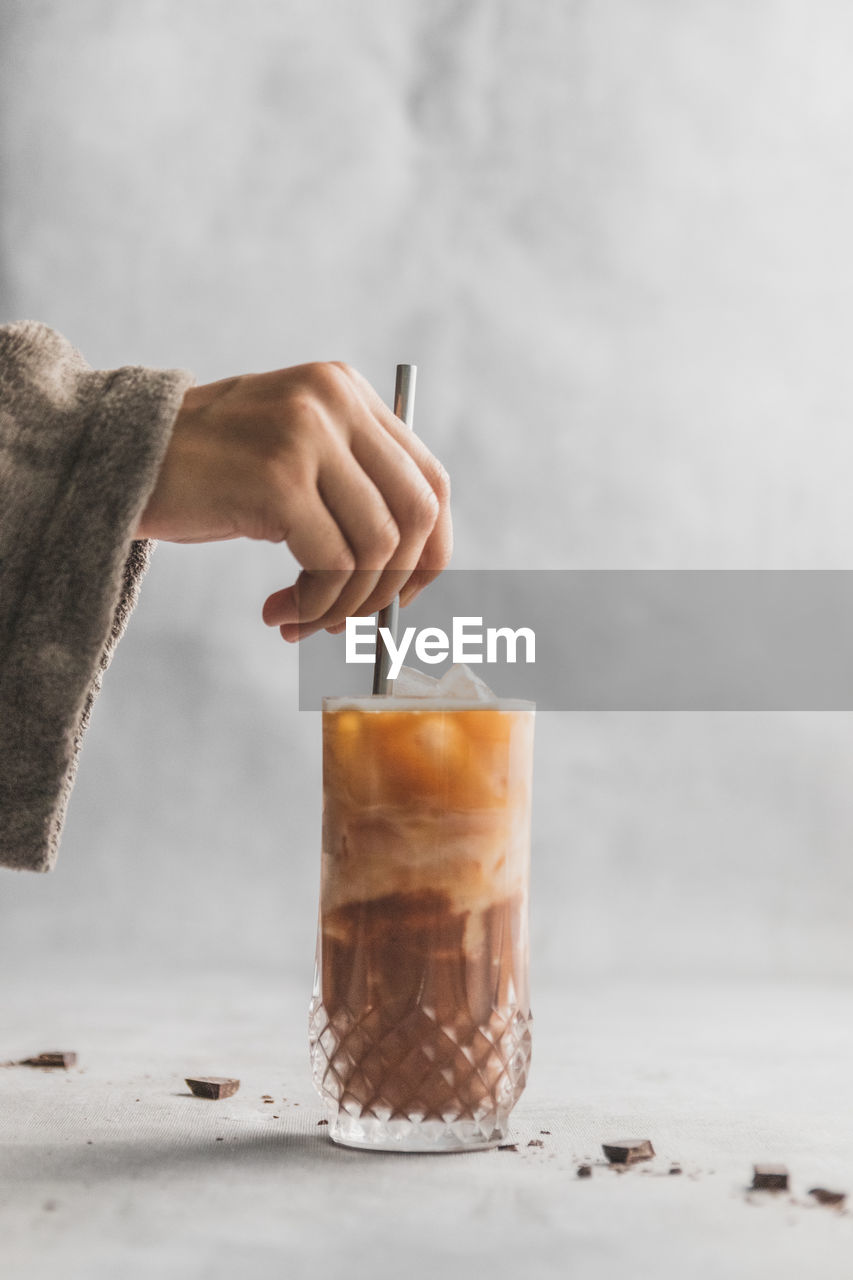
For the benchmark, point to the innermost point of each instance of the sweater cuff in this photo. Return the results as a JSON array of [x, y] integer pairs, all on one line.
[[80, 451]]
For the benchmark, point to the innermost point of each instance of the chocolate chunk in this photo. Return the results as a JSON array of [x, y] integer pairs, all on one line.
[[536, 1142], [769, 1177], [828, 1197], [628, 1150], [584, 1171], [65, 1060], [213, 1086]]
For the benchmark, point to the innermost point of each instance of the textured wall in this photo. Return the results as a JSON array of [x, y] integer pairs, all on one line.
[[615, 238]]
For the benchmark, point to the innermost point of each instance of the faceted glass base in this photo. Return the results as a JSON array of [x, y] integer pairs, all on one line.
[[368, 1133], [414, 1082]]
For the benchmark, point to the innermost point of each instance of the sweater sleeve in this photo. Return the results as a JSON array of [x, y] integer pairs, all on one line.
[[79, 455]]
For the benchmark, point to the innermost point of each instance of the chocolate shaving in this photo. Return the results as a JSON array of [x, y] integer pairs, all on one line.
[[628, 1150], [508, 1146], [769, 1177], [64, 1060], [213, 1086], [536, 1142], [828, 1197]]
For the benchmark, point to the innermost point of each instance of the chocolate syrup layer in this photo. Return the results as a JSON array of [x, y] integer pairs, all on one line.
[[428, 1006]]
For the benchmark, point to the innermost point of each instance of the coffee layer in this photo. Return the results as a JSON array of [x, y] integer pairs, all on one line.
[[425, 800]]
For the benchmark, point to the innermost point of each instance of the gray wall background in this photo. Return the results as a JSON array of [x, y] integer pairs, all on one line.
[[615, 237]]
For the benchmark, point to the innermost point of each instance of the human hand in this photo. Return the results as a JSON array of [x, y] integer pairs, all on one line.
[[310, 456]]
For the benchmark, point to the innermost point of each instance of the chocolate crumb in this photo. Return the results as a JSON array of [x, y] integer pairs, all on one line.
[[828, 1197], [508, 1146], [769, 1177], [536, 1142], [64, 1060], [213, 1086], [220, 1139], [584, 1171], [674, 1169], [546, 1131], [628, 1150], [322, 1122]]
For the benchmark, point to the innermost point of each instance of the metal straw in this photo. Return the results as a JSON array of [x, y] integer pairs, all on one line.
[[404, 407]]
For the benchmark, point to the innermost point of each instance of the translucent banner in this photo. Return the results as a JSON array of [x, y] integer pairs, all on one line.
[[617, 640]]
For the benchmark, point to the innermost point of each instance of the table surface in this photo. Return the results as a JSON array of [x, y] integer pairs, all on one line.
[[113, 1169]]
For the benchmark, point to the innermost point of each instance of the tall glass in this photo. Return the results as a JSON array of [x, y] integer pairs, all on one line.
[[420, 1019]]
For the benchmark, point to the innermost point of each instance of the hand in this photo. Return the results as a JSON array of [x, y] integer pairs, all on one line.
[[310, 456]]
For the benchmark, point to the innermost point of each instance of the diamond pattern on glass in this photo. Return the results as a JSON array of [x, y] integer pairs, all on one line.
[[440, 1083]]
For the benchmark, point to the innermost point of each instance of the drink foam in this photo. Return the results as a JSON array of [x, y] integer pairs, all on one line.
[[458, 689]]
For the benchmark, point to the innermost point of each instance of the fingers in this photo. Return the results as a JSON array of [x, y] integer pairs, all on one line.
[[368, 518], [359, 531], [412, 503], [438, 546], [315, 539], [360, 513]]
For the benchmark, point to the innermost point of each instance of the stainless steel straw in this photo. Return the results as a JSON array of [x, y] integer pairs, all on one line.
[[404, 407]]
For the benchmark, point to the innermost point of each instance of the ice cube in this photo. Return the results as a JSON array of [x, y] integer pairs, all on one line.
[[460, 682], [411, 683]]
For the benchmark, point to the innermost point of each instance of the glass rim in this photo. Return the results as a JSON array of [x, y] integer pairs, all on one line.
[[375, 703]]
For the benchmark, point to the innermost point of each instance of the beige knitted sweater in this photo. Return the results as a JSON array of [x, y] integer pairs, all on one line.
[[79, 455]]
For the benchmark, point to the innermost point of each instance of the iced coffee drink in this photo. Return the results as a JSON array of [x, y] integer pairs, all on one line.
[[420, 1033]]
